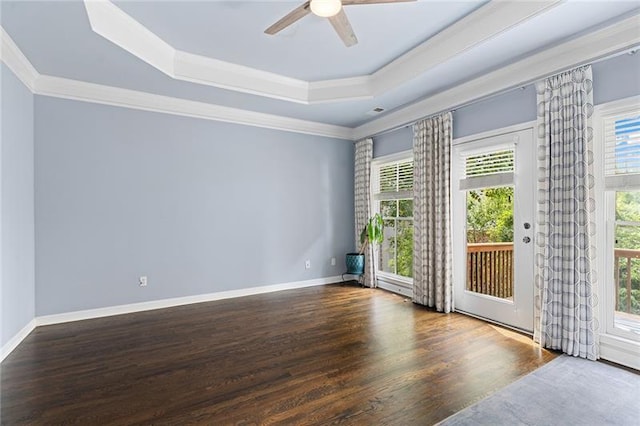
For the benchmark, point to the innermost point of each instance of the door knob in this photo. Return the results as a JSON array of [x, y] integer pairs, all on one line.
[[526, 240], [527, 225]]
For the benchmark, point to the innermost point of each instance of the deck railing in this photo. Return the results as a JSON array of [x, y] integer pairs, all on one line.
[[624, 265], [490, 269]]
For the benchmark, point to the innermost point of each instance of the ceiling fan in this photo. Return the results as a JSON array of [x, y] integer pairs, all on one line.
[[331, 9]]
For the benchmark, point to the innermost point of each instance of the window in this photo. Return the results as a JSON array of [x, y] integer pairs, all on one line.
[[393, 199], [622, 149], [621, 140]]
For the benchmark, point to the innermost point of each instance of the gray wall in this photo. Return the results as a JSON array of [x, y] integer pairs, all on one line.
[[197, 206], [17, 287], [614, 78], [394, 141], [513, 107]]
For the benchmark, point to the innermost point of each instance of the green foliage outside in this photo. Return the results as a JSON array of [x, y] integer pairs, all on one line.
[[628, 237], [397, 249], [490, 219], [635, 300], [490, 215], [404, 241]]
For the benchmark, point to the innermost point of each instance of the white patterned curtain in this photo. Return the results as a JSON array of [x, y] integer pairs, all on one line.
[[362, 203], [432, 279], [565, 279]]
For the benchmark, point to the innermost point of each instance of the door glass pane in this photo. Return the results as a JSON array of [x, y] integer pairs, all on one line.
[[627, 259], [490, 241]]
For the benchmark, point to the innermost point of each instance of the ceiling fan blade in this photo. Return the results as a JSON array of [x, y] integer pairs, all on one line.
[[350, 2], [293, 16], [342, 26]]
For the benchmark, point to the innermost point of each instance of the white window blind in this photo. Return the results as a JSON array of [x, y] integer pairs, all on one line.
[[488, 169], [622, 150], [395, 181]]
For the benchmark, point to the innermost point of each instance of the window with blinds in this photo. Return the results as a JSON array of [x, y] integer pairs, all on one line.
[[488, 169], [622, 150], [395, 181], [392, 183]]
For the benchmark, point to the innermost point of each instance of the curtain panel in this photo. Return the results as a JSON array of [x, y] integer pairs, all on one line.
[[432, 263], [565, 285], [362, 203]]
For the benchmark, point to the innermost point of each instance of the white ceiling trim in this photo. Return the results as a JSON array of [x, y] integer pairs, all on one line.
[[225, 75], [15, 60], [46, 85], [616, 38], [488, 21], [112, 23], [90, 92]]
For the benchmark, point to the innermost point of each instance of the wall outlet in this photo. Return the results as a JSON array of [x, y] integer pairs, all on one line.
[[333, 261], [307, 264], [142, 281]]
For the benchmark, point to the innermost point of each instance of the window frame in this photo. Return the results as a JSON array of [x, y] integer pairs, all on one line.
[[393, 282], [617, 344]]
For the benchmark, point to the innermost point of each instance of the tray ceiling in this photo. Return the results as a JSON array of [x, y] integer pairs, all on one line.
[[217, 53]]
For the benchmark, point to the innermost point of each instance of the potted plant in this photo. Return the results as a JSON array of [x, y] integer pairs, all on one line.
[[372, 233]]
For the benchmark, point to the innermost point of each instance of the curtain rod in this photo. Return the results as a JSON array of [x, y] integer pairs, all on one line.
[[521, 86]]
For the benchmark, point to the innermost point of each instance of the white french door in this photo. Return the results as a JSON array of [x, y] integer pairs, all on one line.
[[493, 227]]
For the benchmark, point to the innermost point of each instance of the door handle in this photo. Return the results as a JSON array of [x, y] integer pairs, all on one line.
[[526, 240]]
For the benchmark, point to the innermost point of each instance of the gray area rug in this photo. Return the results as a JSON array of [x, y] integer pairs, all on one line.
[[565, 391]]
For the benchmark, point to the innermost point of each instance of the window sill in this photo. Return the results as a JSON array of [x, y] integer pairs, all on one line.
[[620, 350], [395, 279]]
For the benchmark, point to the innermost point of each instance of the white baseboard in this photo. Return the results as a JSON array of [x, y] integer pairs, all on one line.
[[177, 301], [620, 350], [154, 304], [8, 347]]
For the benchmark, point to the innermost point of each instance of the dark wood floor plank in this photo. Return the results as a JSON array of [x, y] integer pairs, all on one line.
[[321, 355]]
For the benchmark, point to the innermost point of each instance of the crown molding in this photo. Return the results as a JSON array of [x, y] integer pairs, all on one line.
[[213, 72], [124, 31], [108, 95], [490, 20], [487, 22], [112, 23], [605, 42], [326, 91], [46, 85], [594, 46], [15, 60]]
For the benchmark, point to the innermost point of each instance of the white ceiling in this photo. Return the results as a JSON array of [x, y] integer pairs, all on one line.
[[309, 49], [397, 61]]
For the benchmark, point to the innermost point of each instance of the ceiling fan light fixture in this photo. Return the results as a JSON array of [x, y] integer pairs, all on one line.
[[325, 8]]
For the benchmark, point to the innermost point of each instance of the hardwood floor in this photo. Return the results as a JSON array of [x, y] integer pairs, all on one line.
[[321, 355]]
